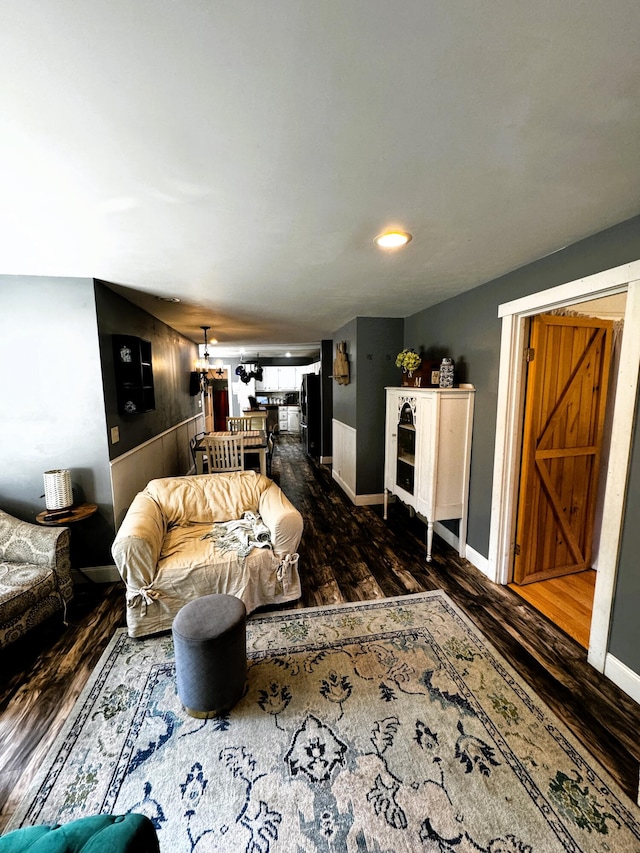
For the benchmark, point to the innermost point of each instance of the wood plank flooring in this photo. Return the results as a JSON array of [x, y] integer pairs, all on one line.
[[567, 601], [347, 553]]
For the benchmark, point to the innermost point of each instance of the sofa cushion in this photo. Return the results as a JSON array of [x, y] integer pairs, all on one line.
[[22, 586], [191, 566], [207, 497]]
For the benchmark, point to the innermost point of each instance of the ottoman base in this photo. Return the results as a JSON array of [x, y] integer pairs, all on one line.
[[204, 715]]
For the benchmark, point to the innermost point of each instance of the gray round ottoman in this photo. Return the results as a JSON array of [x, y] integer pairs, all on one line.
[[210, 642]]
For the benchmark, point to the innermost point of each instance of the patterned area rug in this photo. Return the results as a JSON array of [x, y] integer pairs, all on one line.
[[376, 727]]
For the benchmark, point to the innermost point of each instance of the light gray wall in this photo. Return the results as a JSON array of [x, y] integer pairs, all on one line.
[[467, 328], [51, 391]]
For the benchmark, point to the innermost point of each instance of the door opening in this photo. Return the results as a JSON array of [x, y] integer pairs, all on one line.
[[515, 317], [568, 367]]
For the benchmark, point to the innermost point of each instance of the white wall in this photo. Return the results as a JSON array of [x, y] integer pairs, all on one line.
[[52, 411]]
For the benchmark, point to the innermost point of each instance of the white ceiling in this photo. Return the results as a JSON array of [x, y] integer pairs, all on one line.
[[242, 155]]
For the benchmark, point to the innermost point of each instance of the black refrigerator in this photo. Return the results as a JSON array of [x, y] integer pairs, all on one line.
[[310, 414]]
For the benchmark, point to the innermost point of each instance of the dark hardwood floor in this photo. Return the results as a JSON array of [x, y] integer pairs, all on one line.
[[347, 553]]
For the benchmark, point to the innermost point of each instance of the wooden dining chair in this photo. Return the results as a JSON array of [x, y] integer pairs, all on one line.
[[193, 443], [223, 452], [238, 424], [258, 421], [270, 448]]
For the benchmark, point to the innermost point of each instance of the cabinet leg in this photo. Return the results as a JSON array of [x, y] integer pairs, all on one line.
[[385, 503], [429, 540]]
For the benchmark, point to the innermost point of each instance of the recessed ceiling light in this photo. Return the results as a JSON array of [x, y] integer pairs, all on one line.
[[392, 239], [169, 298]]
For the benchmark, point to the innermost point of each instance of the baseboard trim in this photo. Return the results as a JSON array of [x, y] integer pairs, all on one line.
[[101, 574], [356, 500], [345, 488], [369, 500], [446, 534], [625, 678], [481, 563]]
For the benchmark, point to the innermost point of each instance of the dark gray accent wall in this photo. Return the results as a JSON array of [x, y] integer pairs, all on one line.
[[372, 346], [624, 641], [345, 408], [173, 357], [326, 397], [379, 342]]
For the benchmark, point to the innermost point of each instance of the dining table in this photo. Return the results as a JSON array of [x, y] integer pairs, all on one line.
[[253, 441]]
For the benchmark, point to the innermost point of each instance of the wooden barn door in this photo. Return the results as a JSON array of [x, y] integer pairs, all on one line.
[[563, 424]]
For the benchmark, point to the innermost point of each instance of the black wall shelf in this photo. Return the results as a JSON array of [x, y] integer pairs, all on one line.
[[134, 375]]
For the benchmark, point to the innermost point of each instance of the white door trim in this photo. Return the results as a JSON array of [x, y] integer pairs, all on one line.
[[509, 427], [616, 486]]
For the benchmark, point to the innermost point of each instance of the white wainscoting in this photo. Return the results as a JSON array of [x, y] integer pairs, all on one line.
[[165, 455], [344, 457]]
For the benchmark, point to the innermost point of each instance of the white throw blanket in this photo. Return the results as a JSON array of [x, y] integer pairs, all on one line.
[[241, 536]]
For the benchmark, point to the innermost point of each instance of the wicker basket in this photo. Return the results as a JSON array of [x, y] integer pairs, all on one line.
[[57, 489]]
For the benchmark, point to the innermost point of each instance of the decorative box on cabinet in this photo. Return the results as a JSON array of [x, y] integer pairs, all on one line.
[[428, 453], [134, 375]]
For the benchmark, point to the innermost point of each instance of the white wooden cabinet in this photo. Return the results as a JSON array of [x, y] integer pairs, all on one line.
[[293, 419], [428, 453], [287, 380], [289, 419], [269, 381], [278, 379]]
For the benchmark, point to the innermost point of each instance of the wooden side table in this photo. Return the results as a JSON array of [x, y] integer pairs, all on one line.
[[76, 513]]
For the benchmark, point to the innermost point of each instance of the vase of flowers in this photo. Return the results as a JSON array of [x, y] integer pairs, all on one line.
[[409, 361]]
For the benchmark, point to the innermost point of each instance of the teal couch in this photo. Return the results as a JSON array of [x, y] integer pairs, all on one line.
[[129, 833]]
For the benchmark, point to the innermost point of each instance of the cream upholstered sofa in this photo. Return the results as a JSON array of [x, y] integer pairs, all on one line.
[[35, 575], [167, 554]]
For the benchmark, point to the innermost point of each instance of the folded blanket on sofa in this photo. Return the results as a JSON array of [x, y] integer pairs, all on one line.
[[241, 536]]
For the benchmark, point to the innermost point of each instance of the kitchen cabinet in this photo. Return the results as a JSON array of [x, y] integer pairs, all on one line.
[[269, 379], [289, 419], [287, 379], [428, 453], [278, 379], [293, 419]]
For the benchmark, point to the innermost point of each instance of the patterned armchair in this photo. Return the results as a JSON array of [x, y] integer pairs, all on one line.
[[35, 575]]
